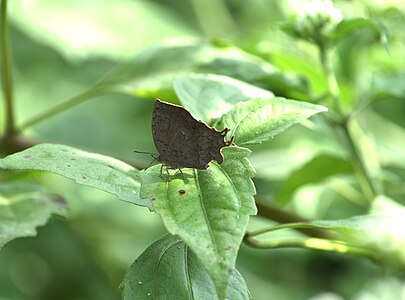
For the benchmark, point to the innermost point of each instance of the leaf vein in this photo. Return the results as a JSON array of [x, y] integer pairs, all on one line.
[[211, 234], [158, 263]]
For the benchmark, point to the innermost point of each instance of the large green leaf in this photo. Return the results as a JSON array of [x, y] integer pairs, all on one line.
[[24, 207], [152, 72], [168, 269], [90, 169], [209, 96], [259, 120], [209, 209]]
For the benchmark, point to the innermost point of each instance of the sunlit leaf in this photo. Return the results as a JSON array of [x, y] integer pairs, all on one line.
[[23, 208], [90, 169], [209, 209], [259, 120], [209, 96], [169, 269]]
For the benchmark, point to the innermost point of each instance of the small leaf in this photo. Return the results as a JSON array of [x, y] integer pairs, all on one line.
[[209, 96], [208, 209], [313, 171], [24, 207], [168, 269], [90, 169], [259, 120]]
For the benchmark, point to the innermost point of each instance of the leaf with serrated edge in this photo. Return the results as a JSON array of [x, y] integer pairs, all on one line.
[[169, 269], [90, 169], [209, 209], [259, 120], [24, 207]]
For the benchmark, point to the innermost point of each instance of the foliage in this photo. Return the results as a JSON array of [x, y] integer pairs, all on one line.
[[333, 180]]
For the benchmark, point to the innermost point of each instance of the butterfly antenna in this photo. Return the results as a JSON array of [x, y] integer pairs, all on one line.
[[143, 152]]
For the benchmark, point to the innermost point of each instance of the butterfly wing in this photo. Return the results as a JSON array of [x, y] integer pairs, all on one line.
[[181, 140]]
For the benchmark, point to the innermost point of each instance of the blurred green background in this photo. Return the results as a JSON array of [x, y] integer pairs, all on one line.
[[60, 48]]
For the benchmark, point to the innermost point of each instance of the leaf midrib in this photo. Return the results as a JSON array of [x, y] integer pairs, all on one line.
[[211, 234]]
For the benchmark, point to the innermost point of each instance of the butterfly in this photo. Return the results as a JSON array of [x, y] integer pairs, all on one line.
[[184, 142]]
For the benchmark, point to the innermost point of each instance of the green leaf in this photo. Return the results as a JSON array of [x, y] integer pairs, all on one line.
[[208, 209], [259, 120], [168, 269], [24, 207], [319, 168], [90, 169], [152, 72], [209, 96], [349, 26]]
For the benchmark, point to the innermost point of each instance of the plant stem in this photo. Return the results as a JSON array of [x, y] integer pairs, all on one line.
[[6, 70], [359, 167], [366, 183], [95, 91], [310, 243], [276, 214], [296, 225], [333, 86]]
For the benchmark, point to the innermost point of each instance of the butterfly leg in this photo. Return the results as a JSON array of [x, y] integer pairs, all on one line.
[[182, 174], [154, 159], [167, 171], [161, 171]]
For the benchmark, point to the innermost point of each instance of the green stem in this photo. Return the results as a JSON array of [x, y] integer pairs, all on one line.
[[86, 95], [333, 86], [365, 181], [6, 70], [359, 167], [310, 243], [278, 227]]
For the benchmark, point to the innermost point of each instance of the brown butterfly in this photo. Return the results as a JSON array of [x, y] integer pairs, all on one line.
[[184, 142]]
